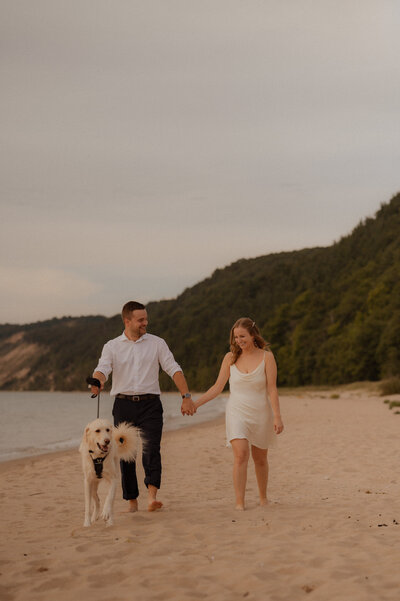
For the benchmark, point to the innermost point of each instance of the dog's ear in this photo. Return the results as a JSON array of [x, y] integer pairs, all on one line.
[[86, 434]]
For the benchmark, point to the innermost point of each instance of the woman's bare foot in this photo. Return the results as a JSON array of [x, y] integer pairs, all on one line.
[[154, 505]]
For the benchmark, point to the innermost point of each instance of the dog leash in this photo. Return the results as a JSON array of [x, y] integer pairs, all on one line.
[[95, 382]]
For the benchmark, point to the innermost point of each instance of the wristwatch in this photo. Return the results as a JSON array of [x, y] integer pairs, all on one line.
[[187, 395]]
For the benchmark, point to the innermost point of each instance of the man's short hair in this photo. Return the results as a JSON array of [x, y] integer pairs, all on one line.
[[129, 307]]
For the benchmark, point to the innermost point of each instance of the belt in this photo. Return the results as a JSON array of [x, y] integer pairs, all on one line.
[[137, 397]]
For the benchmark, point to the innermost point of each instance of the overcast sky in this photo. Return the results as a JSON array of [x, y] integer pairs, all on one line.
[[146, 143]]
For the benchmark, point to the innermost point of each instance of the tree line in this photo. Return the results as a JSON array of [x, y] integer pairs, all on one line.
[[331, 315]]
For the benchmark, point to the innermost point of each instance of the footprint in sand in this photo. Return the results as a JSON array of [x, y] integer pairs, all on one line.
[[99, 581]]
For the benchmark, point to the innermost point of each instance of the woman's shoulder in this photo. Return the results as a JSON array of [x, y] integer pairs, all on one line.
[[228, 357], [268, 355], [269, 360]]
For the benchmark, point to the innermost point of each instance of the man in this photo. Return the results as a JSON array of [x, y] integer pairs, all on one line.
[[134, 358]]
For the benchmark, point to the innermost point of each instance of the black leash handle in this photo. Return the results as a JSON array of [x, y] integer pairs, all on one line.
[[95, 382]]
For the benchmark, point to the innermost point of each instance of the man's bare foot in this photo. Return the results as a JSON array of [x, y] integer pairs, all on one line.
[[154, 505], [263, 502], [132, 506]]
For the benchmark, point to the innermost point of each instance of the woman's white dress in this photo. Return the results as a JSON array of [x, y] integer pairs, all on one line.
[[248, 410]]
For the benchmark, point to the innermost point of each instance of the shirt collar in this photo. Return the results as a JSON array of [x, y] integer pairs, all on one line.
[[125, 338]]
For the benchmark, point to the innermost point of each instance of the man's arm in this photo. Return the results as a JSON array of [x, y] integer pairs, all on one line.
[[187, 407], [174, 370], [103, 368]]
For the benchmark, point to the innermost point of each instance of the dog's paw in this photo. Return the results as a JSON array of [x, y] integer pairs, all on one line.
[[106, 514], [87, 523]]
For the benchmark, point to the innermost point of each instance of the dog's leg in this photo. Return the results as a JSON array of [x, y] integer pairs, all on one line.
[[95, 499], [87, 489], [107, 513]]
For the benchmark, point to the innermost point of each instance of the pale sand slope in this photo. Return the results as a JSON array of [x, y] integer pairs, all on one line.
[[334, 479]]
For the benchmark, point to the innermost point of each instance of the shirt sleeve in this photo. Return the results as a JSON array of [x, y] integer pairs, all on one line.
[[167, 360], [105, 363]]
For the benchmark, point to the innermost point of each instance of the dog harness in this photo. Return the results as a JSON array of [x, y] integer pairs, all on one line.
[[98, 465]]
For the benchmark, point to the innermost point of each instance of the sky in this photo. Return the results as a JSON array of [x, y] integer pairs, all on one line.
[[147, 143]]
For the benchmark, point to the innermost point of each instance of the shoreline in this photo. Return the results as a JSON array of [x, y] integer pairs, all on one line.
[[311, 391], [51, 423], [370, 385], [20, 461]]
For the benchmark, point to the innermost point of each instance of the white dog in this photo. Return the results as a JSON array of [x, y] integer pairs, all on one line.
[[101, 449]]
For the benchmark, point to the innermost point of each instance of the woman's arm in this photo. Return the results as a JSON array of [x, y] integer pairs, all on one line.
[[220, 382], [271, 374]]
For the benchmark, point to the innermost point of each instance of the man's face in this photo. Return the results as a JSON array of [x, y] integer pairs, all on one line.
[[136, 325]]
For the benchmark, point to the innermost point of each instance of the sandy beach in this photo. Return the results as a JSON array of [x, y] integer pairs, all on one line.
[[331, 530]]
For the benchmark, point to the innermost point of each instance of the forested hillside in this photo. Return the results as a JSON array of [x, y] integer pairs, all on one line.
[[332, 315]]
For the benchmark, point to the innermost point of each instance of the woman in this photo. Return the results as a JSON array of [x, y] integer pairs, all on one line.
[[250, 420]]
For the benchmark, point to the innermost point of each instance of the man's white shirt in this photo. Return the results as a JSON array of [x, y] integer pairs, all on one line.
[[135, 364]]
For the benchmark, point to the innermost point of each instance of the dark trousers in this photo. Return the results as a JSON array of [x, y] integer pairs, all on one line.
[[148, 416]]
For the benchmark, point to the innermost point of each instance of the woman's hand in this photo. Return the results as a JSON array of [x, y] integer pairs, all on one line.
[[278, 425]]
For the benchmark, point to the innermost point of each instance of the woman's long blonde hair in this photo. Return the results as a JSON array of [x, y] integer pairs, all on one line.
[[249, 325]]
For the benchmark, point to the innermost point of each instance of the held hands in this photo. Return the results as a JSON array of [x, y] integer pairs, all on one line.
[[278, 425], [196, 404], [188, 407]]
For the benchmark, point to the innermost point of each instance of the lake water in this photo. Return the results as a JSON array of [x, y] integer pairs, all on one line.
[[43, 422]]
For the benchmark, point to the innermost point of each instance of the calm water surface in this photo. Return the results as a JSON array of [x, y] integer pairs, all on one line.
[[42, 422]]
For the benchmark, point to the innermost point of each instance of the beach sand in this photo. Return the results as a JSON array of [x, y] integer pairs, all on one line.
[[331, 530]]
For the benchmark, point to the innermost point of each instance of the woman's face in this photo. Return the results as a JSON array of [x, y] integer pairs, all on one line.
[[243, 339]]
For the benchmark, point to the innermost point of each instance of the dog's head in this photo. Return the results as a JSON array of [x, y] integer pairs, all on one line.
[[98, 435]]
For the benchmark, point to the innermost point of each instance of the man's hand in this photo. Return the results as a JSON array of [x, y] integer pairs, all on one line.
[[188, 407], [95, 389], [97, 378]]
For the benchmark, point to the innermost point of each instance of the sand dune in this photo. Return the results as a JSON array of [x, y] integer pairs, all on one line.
[[331, 530]]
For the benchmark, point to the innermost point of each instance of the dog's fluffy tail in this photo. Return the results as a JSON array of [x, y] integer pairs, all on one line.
[[126, 438]]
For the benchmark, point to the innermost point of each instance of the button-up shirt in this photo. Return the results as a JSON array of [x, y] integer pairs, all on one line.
[[135, 364]]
